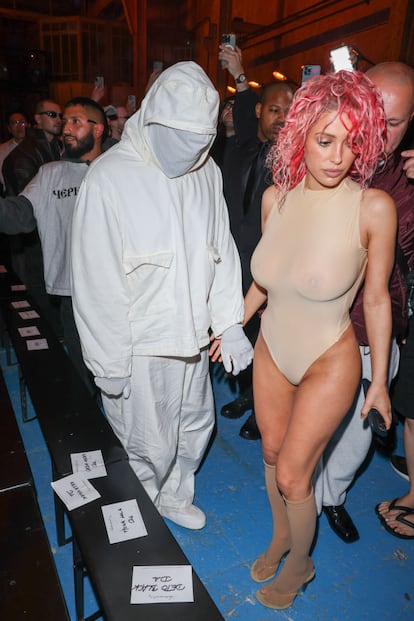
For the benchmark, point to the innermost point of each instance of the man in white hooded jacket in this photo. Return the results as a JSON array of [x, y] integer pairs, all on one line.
[[154, 268]]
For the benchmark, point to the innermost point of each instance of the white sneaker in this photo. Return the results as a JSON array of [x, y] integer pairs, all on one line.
[[188, 517]]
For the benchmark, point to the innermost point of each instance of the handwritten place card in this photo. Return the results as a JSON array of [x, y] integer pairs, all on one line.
[[18, 287], [3, 269], [20, 304], [161, 584], [35, 344], [89, 463], [75, 491], [29, 331], [123, 521], [29, 314]]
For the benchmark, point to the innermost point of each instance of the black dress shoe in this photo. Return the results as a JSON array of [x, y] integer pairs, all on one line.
[[250, 430], [237, 408], [341, 523]]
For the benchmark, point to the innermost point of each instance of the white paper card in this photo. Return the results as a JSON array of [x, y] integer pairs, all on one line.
[[3, 269], [29, 331], [123, 521], [90, 464], [29, 314], [35, 344], [75, 491], [161, 584], [20, 304], [18, 287]]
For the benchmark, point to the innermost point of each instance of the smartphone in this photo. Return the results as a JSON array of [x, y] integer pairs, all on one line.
[[99, 81], [132, 102], [341, 58], [229, 40], [157, 65], [375, 420], [310, 71]]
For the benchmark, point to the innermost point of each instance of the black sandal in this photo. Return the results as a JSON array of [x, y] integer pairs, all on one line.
[[401, 517]]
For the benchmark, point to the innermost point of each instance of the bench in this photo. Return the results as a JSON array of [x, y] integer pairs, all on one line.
[[72, 422], [27, 567], [110, 565], [14, 466]]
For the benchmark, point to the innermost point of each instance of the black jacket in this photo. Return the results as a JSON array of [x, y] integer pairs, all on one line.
[[21, 165], [245, 208]]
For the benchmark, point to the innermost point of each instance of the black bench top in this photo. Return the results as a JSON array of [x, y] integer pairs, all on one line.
[[29, 584], [110, 566], [14, 466]]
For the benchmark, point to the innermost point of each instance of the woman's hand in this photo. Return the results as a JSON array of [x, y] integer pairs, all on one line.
[[378, 397], [215, 349]]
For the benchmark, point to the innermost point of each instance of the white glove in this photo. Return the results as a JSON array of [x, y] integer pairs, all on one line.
[[236, 349], [114, 386]]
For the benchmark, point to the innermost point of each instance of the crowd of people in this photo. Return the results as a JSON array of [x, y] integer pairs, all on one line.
[[276, 229]]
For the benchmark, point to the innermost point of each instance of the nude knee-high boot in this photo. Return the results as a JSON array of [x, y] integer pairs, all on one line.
[[266, 565], [298, 568]]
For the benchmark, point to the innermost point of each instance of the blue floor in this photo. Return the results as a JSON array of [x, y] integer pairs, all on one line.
[[370, 580]]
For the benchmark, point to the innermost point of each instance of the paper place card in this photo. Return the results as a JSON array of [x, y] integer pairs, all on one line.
[[123, 521], [162, 584], [75, 491], [18, 287], [3, 269], [20, 304], [90, 464], [35, 344], [29, 314], [29, 331]]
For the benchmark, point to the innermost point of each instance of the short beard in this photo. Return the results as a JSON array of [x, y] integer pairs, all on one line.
[[83, 146]]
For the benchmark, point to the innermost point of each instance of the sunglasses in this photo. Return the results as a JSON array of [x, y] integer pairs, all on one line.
[[18, 122], [52, 114]]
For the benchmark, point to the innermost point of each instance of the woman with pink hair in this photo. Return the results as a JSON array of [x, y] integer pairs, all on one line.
[[323, 234]]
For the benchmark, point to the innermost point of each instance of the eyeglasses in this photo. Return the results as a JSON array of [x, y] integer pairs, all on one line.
[[52, 114], [18, 122]]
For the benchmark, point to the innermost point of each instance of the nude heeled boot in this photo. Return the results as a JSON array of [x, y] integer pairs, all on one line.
[[298, 567], [265, 567]]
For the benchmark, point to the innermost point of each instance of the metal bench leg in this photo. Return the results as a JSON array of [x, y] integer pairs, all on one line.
[[78, 577]]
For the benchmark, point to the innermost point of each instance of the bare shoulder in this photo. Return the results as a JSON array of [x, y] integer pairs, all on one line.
[[377, 202], [378, 214]]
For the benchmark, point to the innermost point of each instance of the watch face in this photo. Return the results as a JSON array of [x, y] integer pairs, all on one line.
[[241, 78]]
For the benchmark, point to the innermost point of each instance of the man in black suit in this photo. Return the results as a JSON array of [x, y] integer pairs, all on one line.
[[245, 177]]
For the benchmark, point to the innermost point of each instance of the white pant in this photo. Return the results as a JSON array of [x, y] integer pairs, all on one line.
[[166, 423], [350, 444]]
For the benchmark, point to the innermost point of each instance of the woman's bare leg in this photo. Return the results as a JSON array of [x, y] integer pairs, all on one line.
[[318, 404]]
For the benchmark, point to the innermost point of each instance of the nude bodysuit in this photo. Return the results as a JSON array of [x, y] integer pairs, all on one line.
[[311, 263]]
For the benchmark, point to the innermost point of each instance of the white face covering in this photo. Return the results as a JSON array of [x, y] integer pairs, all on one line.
[[176, 150]]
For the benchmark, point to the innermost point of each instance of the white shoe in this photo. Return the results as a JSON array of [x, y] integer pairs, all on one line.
[[188, 517]]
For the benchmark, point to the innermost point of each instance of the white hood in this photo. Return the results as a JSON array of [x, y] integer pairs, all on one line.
[[182, 98]]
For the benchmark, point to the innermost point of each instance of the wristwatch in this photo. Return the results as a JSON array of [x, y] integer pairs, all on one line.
[[241, 78]]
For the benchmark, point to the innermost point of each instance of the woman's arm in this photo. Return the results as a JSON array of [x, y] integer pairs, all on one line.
[[378, 231]]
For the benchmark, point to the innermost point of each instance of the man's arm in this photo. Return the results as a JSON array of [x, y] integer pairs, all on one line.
[[16, 215], [244, 109]]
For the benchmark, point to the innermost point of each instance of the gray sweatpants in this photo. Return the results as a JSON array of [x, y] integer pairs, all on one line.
[[350, 444]]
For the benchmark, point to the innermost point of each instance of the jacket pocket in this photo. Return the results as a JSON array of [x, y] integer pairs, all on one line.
[[150, 283]]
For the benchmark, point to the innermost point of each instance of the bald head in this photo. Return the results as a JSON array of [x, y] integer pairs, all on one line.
[[395, 81]]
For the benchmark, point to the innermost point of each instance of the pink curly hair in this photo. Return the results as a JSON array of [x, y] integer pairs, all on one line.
[[351, 93]]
